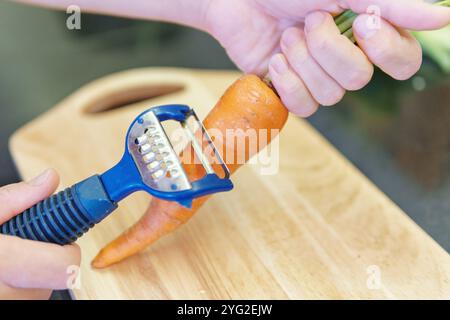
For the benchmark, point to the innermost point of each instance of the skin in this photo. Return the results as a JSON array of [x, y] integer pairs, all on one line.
[[294, 41], [31, 269], [309, 61]]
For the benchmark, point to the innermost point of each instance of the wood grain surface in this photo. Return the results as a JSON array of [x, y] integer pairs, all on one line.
[[316, 229]]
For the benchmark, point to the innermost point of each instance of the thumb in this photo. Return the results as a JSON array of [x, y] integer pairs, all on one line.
[[18, 197]]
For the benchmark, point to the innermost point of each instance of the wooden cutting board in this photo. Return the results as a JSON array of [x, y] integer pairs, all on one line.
[[316, 229]]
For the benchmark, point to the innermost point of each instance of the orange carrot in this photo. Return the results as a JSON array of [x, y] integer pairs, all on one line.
[[248, 104]]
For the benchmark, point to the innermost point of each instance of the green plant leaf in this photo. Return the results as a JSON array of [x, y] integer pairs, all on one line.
[[436, 45]]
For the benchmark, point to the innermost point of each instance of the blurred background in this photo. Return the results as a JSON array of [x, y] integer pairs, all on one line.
[[396, 133]]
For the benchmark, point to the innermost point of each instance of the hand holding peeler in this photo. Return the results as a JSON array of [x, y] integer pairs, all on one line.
[[149, 163]]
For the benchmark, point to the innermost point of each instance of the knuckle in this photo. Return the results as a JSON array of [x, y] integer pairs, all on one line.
[[290, 88], [317, 44], [298, 56], [406, 70], [382, 51], [309, 108], [349, 3], [358, 79], [291, 85], [6, 193], [313, 106], [288, 33], [331, 97], [305, 109]]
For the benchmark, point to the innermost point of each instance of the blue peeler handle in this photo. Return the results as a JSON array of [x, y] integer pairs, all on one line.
[[65, 216]]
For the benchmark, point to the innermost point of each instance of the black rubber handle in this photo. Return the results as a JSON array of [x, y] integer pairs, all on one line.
[[65, 216]]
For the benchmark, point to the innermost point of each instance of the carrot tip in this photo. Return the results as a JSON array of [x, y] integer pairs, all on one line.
[[99, 262]]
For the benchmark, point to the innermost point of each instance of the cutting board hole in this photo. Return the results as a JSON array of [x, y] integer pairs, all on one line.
[[122, 99]]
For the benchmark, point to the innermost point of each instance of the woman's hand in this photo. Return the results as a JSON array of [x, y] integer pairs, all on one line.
[[309, 62], [296, 41], [30, 269]]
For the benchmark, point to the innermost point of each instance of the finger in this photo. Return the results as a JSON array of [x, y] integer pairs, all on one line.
[[291, 88], [338, 56], [322, 87], [295, 10], [18, 197], [408, 14], [395, 52], [33, 264], [8, 293]]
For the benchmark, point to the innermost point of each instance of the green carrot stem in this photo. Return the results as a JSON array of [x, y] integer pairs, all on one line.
[[347, 24], [343, 16], [445, 3], [349, 34]]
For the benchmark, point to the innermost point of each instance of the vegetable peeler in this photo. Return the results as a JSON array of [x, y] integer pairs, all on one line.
[[150, 163]]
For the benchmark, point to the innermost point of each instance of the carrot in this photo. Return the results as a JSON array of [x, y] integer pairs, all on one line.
[[248, 103]]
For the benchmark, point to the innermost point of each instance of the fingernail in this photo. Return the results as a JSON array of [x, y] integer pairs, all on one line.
[[40, 179], [314, 20], [364, 27], [279, 64], [290, 37]]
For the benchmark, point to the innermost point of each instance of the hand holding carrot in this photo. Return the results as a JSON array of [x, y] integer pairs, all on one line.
[[310, 63], [297, 41]]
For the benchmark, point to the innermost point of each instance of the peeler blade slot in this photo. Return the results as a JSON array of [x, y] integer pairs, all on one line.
[[198, 148]]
